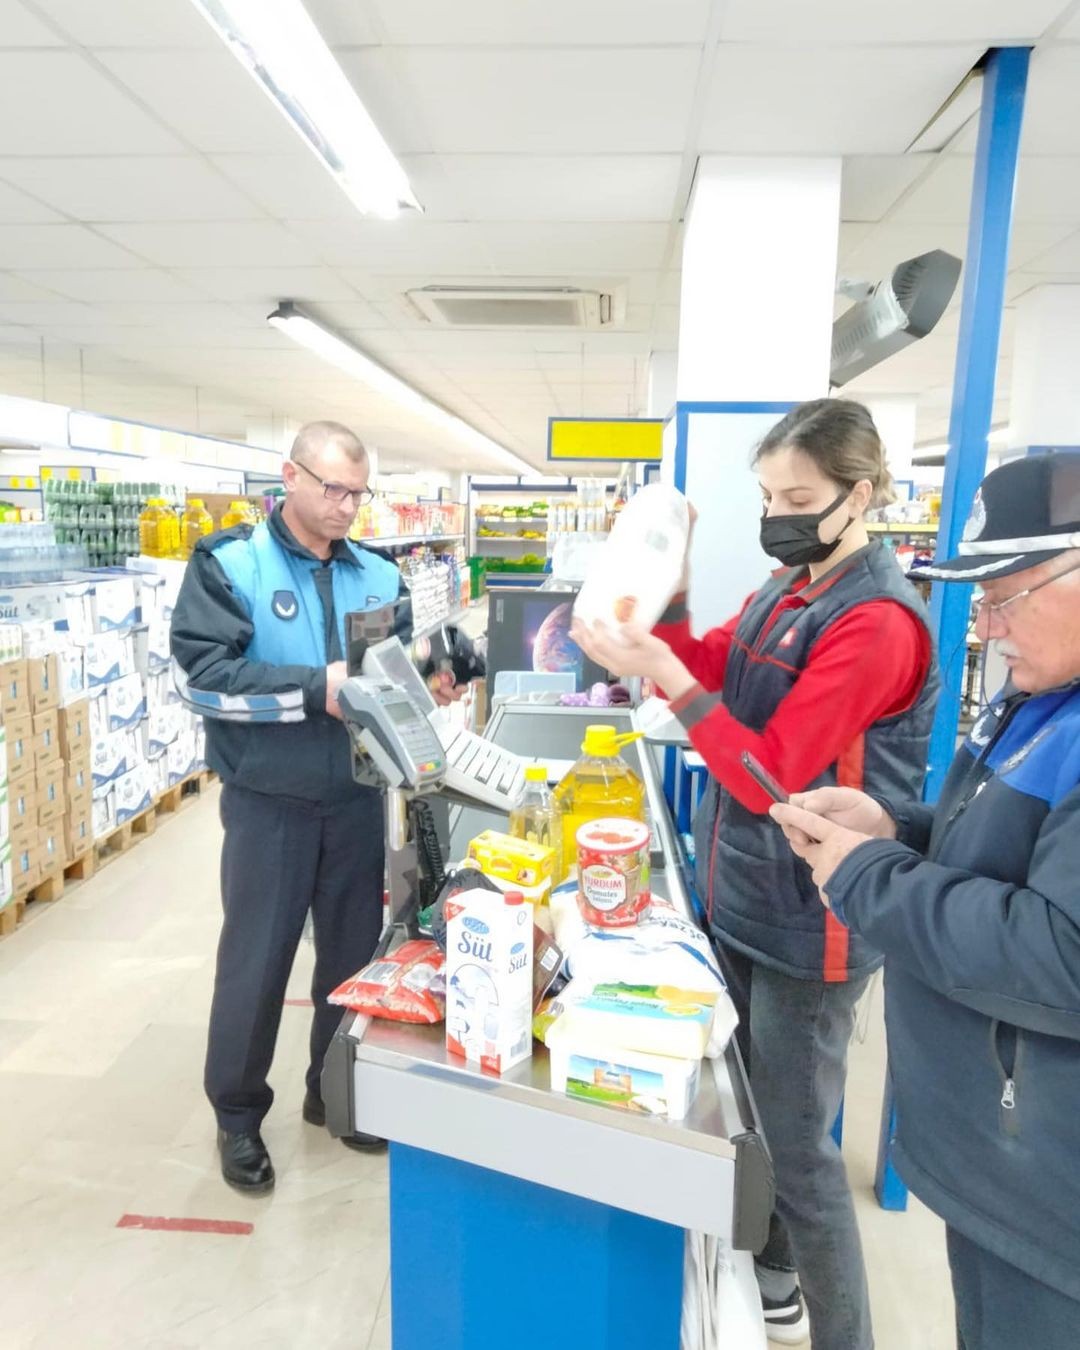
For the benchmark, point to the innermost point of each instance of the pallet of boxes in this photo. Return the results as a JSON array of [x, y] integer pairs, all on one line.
[[94, 730]]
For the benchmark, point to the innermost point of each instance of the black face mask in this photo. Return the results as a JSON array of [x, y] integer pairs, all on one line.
[[794, 540]]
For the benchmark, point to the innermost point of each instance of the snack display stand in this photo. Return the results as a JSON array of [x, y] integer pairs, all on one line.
[[521, 1217]]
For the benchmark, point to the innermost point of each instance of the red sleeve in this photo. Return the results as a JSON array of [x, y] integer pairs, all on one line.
[[705, 658], [844, 688]]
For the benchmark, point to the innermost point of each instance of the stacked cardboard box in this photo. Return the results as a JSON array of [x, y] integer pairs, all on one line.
[[95, 729]]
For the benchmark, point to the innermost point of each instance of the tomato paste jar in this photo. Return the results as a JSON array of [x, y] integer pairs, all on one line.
[[613, 871]]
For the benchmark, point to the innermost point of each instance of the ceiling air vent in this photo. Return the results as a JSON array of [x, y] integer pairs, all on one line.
[[515, 306]]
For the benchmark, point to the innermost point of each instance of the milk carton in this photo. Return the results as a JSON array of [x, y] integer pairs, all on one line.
[[489, 949]]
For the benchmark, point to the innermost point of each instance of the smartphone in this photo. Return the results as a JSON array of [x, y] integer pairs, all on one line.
[[763, 778]]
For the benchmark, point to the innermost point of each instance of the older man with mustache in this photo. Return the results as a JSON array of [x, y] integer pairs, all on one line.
[[976, 906]]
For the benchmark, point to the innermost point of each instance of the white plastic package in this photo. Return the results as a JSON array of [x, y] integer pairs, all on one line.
[[635, 574]]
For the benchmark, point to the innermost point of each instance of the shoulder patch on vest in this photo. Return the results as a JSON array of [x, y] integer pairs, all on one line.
[[285, 605]]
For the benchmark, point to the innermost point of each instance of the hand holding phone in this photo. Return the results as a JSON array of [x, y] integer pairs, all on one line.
[[763, 778]]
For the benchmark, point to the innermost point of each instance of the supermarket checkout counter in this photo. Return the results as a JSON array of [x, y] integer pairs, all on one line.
[[526, 1218]]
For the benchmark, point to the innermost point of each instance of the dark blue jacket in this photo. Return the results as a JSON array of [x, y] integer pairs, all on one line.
[[258, 619], [982, 976], [761, 899]]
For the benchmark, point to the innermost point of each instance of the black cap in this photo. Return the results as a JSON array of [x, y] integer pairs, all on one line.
[[1024, 514]]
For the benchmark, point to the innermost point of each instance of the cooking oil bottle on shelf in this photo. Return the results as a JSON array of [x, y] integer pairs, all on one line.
[[197, 522], [599, 785], [159, 530], [536, 817]]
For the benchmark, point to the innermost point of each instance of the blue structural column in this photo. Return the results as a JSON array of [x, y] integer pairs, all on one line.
[[985, 267]]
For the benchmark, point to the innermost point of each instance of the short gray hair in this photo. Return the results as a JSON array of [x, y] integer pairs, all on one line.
[[313, 436]]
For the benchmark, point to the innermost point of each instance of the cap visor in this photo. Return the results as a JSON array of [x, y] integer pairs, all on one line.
[[982, 566]]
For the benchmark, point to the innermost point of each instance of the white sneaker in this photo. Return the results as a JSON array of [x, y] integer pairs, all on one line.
[[786, 1322]]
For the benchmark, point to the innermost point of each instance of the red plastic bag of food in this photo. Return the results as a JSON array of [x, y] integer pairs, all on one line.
[[406, 985]]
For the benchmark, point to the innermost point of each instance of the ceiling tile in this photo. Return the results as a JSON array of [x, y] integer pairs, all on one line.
[[16, 208], [56, 103], [268, 285], [207, 98], [291, 185], [1052, 106], [167, 188], [505, 101], [850, 21], [544, 187], [121, 284], [871, 184], [254, 244], [20, 28], [768, 100], [146, 23], [541, 22], [59, 246]]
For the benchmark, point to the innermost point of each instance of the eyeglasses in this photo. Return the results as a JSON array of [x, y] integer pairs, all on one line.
[[983, 606], [337, 492]]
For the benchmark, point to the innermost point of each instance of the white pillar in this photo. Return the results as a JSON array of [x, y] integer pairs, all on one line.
[[1046, 358], [755, 326], [758, 279], [895, 417], [663, 367]]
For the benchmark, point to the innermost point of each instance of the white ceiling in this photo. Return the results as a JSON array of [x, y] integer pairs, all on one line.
[[154, 206]]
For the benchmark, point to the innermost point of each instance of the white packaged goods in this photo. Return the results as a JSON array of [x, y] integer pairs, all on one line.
[[114, 601], [158, 731], [160, 690], [637, 572], [110, 758], [584, 1066], [132, 793], [126, 702], [72, 675], [152, 647], [43, 639], [171, 574], [7, 878], [654, 1019], [489, 948], [181, 757], [5, 814], [159, 774], [64, 604], [103, 814], [108, 656], [11, 640], [150, 590], [98, 714]]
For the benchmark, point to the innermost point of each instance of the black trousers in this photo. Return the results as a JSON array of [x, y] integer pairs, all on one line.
[[281, 858]]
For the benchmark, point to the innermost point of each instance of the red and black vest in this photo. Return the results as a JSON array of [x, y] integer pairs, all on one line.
[[759, 897]]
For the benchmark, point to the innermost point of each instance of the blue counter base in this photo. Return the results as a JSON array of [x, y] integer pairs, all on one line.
[[483, 1261]]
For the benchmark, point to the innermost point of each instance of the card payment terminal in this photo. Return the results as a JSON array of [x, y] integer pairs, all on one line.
[[393, 743]]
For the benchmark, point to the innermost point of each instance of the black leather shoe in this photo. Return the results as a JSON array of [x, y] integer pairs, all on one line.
[[314, 1112], [245, 1162]]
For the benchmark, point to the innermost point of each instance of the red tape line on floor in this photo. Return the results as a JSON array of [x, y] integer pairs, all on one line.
[[229, 1227]]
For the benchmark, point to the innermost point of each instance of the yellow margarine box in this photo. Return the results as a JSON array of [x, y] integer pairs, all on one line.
[[504, 858]]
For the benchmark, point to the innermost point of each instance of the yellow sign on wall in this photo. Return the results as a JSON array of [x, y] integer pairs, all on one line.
[[606, 438]]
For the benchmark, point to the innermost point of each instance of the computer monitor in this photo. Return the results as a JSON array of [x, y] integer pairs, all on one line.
[[530, 630]]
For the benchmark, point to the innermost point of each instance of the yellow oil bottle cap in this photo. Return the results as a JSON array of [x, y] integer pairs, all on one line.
[[605, 741], [536, 773]]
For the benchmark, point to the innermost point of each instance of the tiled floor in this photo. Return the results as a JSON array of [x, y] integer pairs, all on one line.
[[103, 1002]]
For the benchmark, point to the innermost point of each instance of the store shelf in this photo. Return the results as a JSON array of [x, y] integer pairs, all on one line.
[[482, 540], [882, 527], [400, 540], [452, 617], [511, 520]]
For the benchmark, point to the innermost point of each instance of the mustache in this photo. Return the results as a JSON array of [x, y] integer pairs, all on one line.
[[1004, 648]]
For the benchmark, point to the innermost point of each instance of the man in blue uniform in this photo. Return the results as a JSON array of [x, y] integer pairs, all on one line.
[[258, 631]]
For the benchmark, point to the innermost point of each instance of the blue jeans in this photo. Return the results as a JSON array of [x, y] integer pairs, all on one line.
[[999, 1307], [793, 1035]]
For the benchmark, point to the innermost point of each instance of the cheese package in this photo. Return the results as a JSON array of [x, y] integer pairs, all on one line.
[[586, 1067]]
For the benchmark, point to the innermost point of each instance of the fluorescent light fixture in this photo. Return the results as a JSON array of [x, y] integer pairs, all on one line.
[[953, 115], [277, 43], [316, 338]]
